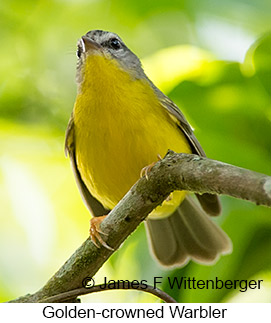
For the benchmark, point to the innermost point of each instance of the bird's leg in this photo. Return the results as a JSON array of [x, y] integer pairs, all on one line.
[[95, 232], [145, 170]]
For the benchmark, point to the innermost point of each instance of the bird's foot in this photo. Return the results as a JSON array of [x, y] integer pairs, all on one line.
[[95, 232], [146, 170]]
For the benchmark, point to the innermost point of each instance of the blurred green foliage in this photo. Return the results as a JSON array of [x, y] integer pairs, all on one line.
[[208, 56]]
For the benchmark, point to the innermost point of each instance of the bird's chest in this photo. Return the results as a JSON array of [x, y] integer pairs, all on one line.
[[116, 136]]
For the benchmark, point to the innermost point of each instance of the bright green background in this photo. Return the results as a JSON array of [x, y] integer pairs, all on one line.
[[196, 52]]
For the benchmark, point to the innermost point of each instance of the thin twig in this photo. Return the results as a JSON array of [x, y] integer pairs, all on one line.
[[72, 294]]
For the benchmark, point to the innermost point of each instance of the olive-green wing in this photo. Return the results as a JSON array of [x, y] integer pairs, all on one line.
[[94, 206], [183, 124], [209, 202]]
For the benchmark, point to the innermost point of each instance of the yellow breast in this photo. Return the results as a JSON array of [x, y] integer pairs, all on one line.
[[120, 127]]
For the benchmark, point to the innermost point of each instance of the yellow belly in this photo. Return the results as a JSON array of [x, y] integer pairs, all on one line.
[[120, 127]]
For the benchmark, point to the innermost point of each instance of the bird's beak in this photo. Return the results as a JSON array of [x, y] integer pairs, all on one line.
[[87, 44]]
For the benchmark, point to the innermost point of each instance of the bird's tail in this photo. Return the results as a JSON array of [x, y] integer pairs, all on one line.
[[188, 233]]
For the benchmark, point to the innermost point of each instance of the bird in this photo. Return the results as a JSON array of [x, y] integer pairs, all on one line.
[[120, 123]]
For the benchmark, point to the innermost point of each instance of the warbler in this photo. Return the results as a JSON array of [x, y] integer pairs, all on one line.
[[120, 123]]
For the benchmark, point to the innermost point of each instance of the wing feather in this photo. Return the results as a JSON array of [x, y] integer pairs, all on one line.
[[93, 205], [209, 202]]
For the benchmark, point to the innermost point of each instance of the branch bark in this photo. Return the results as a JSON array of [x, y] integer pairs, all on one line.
[[175, 172]]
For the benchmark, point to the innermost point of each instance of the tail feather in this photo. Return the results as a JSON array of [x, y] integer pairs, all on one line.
[[210, 203], [187, 234]]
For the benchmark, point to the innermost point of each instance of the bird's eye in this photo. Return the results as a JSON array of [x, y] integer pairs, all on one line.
[[115, 43]]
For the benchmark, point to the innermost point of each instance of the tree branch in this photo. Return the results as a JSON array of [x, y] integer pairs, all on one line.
[[175, 172]]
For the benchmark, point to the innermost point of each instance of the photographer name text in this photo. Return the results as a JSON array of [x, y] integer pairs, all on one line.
[[177, 283]]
